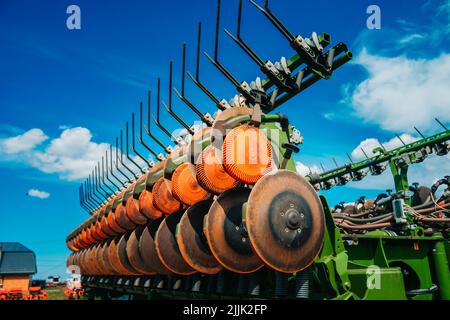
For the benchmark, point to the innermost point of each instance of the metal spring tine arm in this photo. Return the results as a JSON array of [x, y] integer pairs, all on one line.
[[83, 204], [98, 187], [141, 141], [88, 196], [121, 157], [196, 79], [181, 95], [112, 163], [107, 175], [169, 109], [94, 190], [215, 61], [85, 200], [117, 162], [128, 156], [147, 130], [101, 177], [250, 52], [156, 120], [274, 20]]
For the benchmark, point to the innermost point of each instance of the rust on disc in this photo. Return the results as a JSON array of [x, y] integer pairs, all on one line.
[[122, 219], [122, 253], [167, 246], [185, 186], [226, 234], [147, 207], [114, 259], [106, 229], [112, 222], [192, 241], [134, 256], [285, 221], [147, 248], [105, 256], [101, 262], [221, 125], [210, 173], [133, 212], [163, 199]]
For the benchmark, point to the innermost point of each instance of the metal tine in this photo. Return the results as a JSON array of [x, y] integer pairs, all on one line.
[[85, 198], [196, 79], [91, 201], [117, 163], [156, 120], [441, 124], [101, 177], [127, 150], [111, 167], [419, 132], [133, 145], [238, 39], [182, 97], [83, 202], [167, 149], [169, 108], [93, 193], [215, 61], [98, 188], [107, 175], [121, 157], [274, 20]]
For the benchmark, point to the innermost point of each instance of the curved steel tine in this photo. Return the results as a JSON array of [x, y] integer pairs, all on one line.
[[181, 95], [107, 175], [98, 187], [274, 20], [215, 61], [91, 200], [117, 162], [93, 191], [156, 120], [196, 79], [121, 157], [169, 108], [85, 200], [111, 167], [102, 178], [128, 156], [239, 41], [168, 149], [149, 163]]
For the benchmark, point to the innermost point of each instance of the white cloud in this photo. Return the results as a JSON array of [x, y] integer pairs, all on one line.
[[23, 142], [38, 194], [402, 92], [370, 144], [304, 170], [72, 155]]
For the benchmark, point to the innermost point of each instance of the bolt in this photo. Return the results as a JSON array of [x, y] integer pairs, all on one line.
[[244, 240], [286, 230], [292, 205], [237, 228]]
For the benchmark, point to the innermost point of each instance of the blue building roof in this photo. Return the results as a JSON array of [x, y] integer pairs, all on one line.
[[16, 259]]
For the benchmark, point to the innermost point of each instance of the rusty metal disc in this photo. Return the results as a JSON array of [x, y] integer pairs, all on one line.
[[134, 255], [163, 199], [133, 212], [226, 235], [192, 241], [114, 259], [122, 253], [210, 173], [147, 247], [247, 154], [185, 186], [112, 223], [285, 221], [146, 206], [167, 246], [104, 253], [221, 124], [101, 262], [122, 219], [106, 229]]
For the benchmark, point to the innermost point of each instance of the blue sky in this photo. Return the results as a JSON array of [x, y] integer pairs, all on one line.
[[76, 88]]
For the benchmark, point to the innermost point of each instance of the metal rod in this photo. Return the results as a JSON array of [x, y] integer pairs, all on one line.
[[148, 130], [106, 167], [134, 140], [112, 163], [117, 162], [121, 156], [128, 156], [157, 121], [103, 176]]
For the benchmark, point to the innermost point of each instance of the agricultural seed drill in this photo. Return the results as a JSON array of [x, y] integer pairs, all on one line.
[[225, 214]]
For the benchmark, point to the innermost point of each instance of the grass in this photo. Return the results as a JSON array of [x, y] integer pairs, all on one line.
[[55, 293]]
